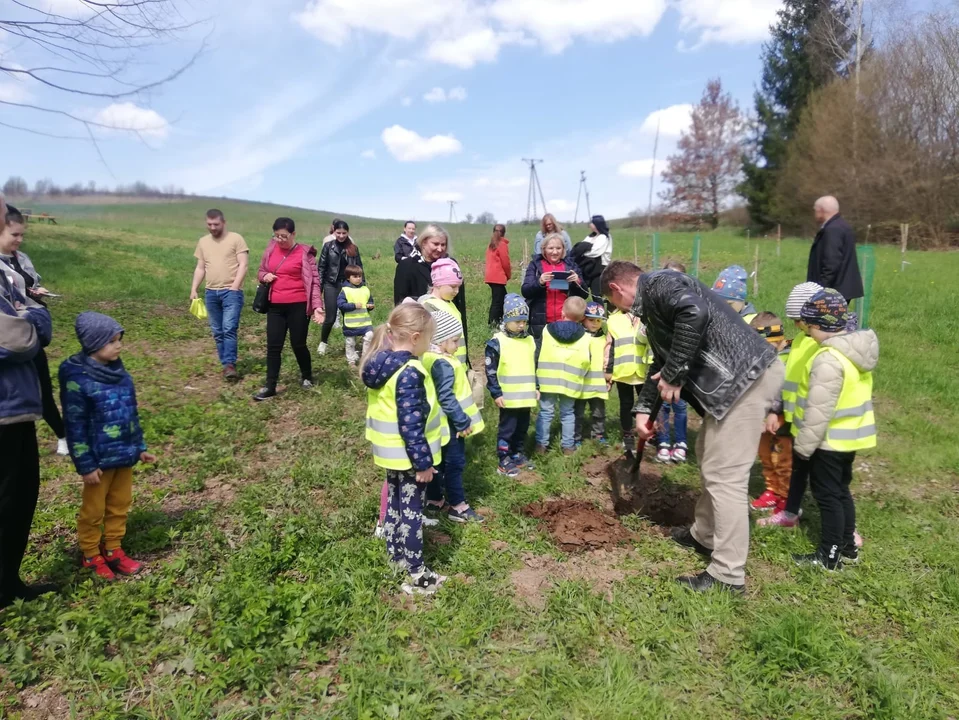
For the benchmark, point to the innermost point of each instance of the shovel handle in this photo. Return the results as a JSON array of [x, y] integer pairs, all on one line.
[[641, 442]]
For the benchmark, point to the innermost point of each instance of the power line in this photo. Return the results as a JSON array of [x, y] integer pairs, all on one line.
[[582, 189], [452, 209], [531, 209]]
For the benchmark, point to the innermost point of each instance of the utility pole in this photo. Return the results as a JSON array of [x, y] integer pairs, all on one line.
[[534, 186], [652, 179], [452, 209], [582, 190]]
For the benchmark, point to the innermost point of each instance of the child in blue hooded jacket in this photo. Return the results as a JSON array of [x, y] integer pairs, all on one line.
[[105, 441]]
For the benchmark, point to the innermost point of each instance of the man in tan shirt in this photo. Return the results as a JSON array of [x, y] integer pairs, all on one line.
[[223, 258]]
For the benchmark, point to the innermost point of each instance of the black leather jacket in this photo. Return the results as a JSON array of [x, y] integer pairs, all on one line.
[[698, 342], [333, 261]]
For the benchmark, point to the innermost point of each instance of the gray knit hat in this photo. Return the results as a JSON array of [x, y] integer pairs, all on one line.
[[95, 330], [447, 326], [799, 296]]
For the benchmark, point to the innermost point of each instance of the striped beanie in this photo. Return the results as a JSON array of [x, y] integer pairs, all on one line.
[[447, 327], [798, 297]]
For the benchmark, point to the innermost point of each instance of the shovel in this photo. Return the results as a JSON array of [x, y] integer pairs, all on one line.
[[640, 442]]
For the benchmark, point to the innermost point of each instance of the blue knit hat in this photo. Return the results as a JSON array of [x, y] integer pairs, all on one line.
[[731, 283], [95, 330], [596, 311], [827, 310], [515, 308]]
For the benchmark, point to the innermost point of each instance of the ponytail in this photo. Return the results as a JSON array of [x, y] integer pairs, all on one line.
[[380, 341], [406, 318]]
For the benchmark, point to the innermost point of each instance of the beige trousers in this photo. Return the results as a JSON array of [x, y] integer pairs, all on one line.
[[726, 450]]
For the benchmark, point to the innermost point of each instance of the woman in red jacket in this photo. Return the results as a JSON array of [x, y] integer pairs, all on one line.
[[498, 272]]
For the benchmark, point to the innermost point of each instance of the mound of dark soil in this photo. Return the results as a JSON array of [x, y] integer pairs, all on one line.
[[576, 525]]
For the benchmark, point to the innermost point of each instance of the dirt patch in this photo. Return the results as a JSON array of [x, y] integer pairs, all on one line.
[[576, 526], [46, 704], [600, 568], [650, 496]]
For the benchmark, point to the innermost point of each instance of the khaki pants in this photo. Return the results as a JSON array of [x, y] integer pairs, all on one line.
[[107, 504], [726, 450]]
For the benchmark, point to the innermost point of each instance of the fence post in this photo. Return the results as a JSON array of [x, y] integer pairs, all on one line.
[[655, 261], [867, 268], [904, 232], [635, 249], [697, 242], [756, 272], [779, 240]]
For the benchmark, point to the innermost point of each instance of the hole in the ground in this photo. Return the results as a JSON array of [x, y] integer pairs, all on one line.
[[649, 496]]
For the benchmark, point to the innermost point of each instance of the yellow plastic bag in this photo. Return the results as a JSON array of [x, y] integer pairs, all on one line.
[[198, 309]]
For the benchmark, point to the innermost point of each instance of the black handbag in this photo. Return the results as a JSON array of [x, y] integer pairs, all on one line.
[[261, 301]]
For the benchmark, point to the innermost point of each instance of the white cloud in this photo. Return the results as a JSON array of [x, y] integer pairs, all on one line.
[[501, 183], [406, 102], [409, 146], [727, 21], [442, 196], [672, 121], [127, 116], [457, 93], [466, 50], [368, 154], [14, 92], [436, 95], [333, 21], [561, 206], [636, 168]]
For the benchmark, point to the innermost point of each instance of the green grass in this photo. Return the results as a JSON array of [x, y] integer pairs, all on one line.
[[267, 596]]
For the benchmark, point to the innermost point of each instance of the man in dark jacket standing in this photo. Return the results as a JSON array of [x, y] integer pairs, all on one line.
[[705, 353], [832, 257]]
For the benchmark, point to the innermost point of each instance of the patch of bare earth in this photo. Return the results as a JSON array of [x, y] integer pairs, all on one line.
[[46, 704], [577, 525], [539, 574]]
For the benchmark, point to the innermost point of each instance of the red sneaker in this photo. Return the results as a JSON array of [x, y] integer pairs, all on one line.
[[766, 501], [120, 562], [98, 564]]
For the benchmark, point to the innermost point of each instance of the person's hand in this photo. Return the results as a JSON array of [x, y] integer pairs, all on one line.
[[538, 396], [425, 476], [465, 433], [772, 423], [643, 428], [609, 378], [500, 402], [93, 478], [545, 278], [269, 277], [193, 295], [319, 316], [669, 393], [148, 457], [573, 278], [41, 291], [369, 306]]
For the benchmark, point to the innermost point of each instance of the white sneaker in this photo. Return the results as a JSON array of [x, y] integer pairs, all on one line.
[[321, 348], [664, 455], [430, 522], [679, 453], [423, 583], [62, 448], [380, 532]]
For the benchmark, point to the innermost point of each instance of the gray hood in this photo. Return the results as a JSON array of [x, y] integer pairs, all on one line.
[[860, 347]]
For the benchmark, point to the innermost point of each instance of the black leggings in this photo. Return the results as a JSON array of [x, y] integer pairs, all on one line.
[[628, 395], [280, 318], [330, 294], [51, 413], [19, 488], [830, 474], [496, 303]]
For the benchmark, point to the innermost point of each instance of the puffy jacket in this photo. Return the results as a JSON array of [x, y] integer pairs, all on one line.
[[403, 248], [100, 414], [498, 268], [535, 293], [333, 261], [699, 342], [861, 348], [412, 404], [310, 275], [345, 306], [22, 334], [592, 267], [444, 378]]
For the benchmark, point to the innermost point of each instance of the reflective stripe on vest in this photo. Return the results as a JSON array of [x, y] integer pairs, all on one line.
[[462, 391], [629, 355], [435, 303], [562, 367], [749, 317], [382, 422], [595, 384], [803, 348], [360, 297], [517, 370]]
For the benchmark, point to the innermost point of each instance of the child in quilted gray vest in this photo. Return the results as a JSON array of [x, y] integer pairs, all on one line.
[[105, 441]]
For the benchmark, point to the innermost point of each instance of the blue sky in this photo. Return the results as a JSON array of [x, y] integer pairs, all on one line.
[[389, 108]]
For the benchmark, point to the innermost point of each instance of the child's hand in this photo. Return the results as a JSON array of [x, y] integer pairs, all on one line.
[[370, 306], [500, 402], [146, 457], [465, 433], [425, 476], [93, 478], [538, 396], [772, 423]]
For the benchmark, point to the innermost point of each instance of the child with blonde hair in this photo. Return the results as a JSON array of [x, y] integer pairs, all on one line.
[[403, 423]]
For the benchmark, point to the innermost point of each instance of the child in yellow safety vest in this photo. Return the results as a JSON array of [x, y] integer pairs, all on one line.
[[447, 279], [834, 419], [561, 369], [355, 302], [731, 287], [627, 358], [461, 418], [403, 424], [596, 387], [511, 381]]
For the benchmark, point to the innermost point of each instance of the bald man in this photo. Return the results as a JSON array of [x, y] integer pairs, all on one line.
[[832, 257]]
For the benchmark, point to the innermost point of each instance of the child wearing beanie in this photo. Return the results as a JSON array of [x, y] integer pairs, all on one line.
[[460, 416], [731, 287], [447, 280], [511, 381], [596, 388], [105, 441]]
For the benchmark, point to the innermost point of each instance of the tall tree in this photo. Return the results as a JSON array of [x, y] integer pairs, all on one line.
[[796, 61], [705, 171]]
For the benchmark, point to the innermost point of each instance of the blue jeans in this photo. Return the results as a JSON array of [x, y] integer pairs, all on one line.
[[450, 475], [567, 419], [223, 308], [679, 423]]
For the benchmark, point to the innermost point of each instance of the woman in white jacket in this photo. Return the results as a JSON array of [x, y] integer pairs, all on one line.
[[594, 253]]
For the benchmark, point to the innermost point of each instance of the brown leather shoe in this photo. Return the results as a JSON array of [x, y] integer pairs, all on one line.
[[569, 451], [230, 374], [541, 450]]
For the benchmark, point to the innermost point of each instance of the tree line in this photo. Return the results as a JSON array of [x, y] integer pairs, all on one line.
[[17, 187]]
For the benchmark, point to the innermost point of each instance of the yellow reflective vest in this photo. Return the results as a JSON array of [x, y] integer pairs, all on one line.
[[802, 350], [853, 423], [749, 317], [595, 385], [360, 297], [435, 303], [631, 355], [463, 392], [517, 370], [562, 367], [382, 422]]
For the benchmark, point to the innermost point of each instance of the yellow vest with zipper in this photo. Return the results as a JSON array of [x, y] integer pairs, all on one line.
[[562, 368], [435, 303], [853, 423], [359, 297], [630, 356], [382, 422], [803, 348], [595, 384], [517, 370], [462, 390]]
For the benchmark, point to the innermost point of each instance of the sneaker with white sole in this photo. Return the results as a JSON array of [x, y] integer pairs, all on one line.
[[379, 532], [62, 448], [678, 453], [425, 582], [306, 384], [664, 455], [780, 519], [321, 348]]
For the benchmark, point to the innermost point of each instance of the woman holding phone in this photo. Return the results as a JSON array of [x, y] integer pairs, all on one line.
[[550, 279]]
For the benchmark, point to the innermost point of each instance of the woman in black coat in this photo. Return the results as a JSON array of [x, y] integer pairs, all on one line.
[[334, 257], [546, 303]]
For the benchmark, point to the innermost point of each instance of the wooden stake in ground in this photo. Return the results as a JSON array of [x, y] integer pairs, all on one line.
[[779, 240], [525, 250], [756, 272], [635, 249], [904, 233]]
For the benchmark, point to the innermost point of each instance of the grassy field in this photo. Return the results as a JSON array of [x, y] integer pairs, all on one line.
[[268, 597]]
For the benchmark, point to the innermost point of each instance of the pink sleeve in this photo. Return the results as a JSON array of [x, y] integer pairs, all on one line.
[[313, 289], [263, 262]]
